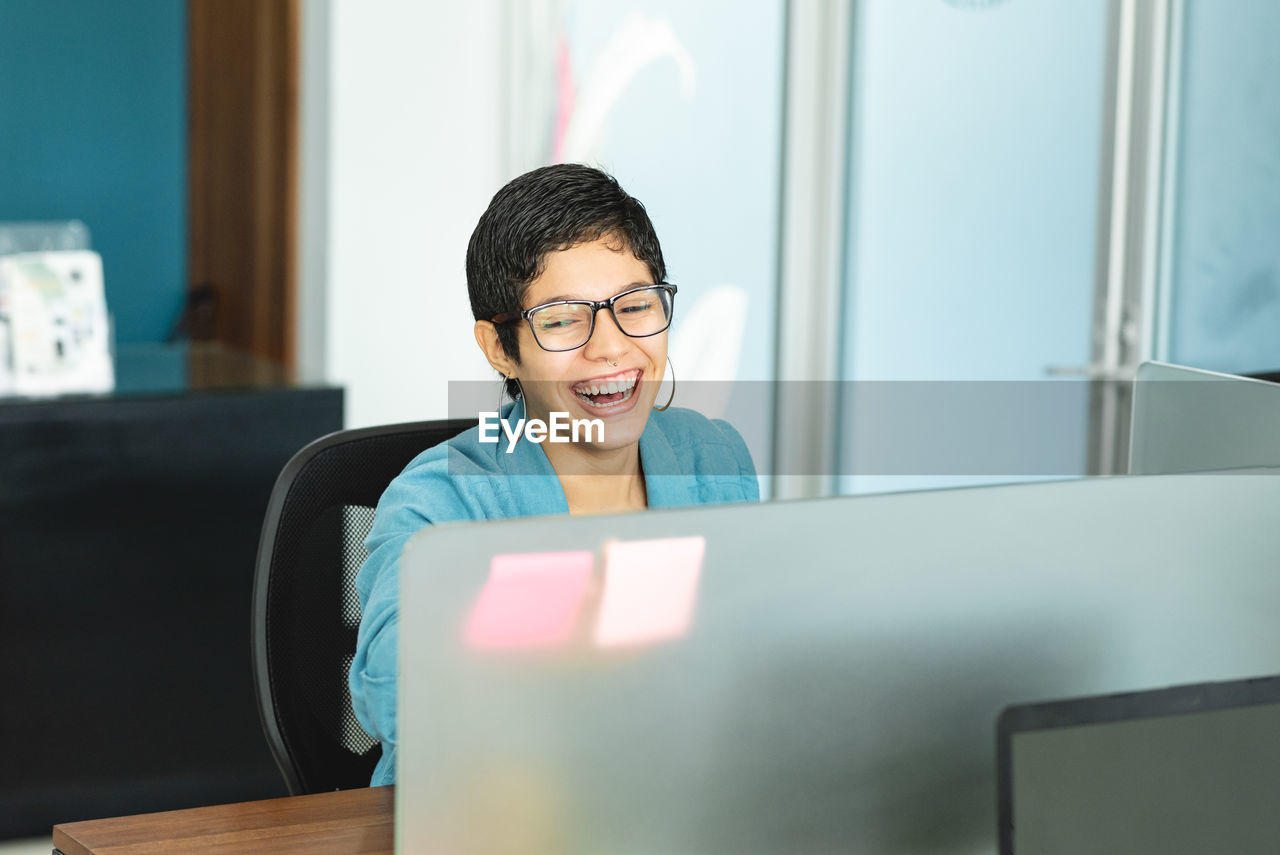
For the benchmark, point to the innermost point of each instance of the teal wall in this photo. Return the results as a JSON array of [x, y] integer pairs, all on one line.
[[93, 126]]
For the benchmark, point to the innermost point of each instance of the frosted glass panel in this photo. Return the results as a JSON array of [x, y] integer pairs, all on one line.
[[683, 103], [1225, 272], [974, 194]]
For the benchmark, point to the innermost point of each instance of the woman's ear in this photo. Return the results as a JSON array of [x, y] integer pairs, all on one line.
[[487, 339]]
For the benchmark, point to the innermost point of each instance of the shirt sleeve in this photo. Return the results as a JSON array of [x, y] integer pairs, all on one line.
[[422, 495]]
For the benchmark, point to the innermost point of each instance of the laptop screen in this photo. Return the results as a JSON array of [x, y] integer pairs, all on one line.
[[1191, 769]]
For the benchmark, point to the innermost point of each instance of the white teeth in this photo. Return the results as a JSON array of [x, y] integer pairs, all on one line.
[[611, 387], [582, 395]]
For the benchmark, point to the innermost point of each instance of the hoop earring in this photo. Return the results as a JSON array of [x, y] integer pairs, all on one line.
[[672, 397], [503, 387]]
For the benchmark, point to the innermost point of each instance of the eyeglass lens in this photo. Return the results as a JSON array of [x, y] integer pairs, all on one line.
[[566, 326]]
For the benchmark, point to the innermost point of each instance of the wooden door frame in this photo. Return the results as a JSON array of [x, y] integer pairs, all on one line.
[[243, 81]]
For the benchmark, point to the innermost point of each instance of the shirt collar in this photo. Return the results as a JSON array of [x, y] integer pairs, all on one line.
[[537, 489]]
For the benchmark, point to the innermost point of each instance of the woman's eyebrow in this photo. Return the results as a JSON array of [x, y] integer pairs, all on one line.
[[563, 297]]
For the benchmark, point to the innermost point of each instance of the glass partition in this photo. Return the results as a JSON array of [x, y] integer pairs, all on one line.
[[1223, 261], [973, 205]]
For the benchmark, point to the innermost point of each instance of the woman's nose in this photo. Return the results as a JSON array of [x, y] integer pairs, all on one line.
[[607, 339]]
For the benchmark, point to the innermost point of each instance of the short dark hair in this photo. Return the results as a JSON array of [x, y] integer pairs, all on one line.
[[550, 209]]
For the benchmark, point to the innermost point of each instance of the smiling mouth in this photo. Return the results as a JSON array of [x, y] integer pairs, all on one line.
[[607, 392]]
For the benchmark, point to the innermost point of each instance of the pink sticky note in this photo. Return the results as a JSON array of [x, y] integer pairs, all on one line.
[[530, 600], [650, 587]]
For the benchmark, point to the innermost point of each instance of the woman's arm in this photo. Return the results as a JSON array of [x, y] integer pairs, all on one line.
[[422, 495]]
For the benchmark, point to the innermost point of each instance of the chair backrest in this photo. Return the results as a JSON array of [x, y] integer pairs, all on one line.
[[305, 609]]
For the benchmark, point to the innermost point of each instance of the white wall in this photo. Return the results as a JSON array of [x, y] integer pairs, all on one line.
[[400, 153]]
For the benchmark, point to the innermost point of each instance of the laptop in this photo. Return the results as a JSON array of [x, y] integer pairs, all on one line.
[[1188, 769]]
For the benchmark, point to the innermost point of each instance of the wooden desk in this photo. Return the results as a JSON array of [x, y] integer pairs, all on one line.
[[351, 822]]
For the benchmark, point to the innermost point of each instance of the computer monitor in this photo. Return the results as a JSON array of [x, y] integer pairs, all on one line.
[[1176, 771], [1191, 420]]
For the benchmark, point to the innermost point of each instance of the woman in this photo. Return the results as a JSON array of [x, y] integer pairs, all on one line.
[[568, 290]]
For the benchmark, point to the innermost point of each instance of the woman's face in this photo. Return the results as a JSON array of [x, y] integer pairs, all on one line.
[[563, 381]]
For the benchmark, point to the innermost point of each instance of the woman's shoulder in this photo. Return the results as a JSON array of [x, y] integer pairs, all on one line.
[[463, 454], [690, 429], [454, 479], [474, 477], [707, 448]]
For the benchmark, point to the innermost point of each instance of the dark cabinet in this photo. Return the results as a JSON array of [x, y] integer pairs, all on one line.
[[128, 530]]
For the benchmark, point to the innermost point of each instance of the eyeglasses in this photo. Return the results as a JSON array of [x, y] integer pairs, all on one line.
[[568, 324]]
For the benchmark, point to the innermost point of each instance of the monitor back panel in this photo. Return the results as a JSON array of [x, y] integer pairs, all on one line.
[[840, 665]]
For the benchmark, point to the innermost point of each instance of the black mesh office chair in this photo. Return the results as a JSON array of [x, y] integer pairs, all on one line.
[[305, 610]]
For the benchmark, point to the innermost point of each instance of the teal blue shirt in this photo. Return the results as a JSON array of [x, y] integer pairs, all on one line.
[[687, 459]]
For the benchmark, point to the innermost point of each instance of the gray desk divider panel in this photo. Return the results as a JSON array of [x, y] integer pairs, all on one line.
[[838, 686], [1189, 420]]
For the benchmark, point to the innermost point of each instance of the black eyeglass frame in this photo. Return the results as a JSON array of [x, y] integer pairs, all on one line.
[[596, 306]]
